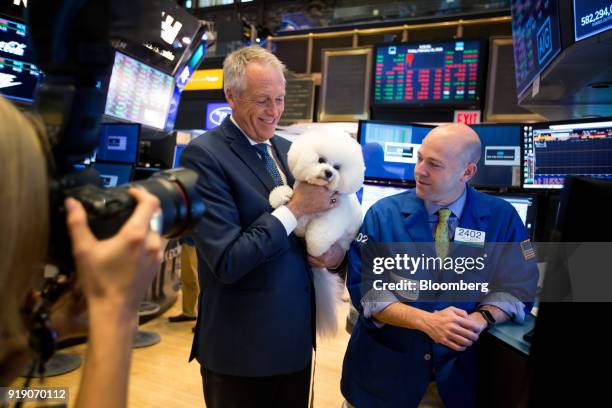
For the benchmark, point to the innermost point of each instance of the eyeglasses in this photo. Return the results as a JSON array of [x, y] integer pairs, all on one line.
[[265, 101]]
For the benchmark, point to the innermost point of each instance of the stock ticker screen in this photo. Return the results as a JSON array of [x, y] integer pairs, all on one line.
[[536, 37], [18, 75], [138, 93], [591, 17], [554, 151], [445, 73]]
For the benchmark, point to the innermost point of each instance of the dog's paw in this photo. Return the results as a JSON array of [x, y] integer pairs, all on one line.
[[280, 196]]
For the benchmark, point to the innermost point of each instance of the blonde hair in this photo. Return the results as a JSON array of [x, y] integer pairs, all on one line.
[[234, 66], [23, 221]]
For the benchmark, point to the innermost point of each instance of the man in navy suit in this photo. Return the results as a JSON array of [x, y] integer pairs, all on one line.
[[255, 329]]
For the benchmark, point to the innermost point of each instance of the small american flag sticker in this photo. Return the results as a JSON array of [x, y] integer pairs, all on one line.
[[527, 249]]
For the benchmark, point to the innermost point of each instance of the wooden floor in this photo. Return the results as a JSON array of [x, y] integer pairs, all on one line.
[[162, 377]]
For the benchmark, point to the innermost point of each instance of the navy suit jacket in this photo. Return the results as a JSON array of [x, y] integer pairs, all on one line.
[[256, 300]]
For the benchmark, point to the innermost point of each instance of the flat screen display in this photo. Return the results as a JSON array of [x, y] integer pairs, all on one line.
[[138, 93], [591, 17], [536, 37], [18, 75], [390, 149], [553, 151], [442, 73], [371, 193], [215, 113], [500, 159], [163, 35], [118, 142], [177, 154], [114, 175], [525, 206]]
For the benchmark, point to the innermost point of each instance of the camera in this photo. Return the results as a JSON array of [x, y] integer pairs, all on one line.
[[74, 45]]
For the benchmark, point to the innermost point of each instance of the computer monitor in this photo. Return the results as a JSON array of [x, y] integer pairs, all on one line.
[[421, 74], [215, 113], [390, 149], [526, 207], [371, 193], [591, 17], [157, 150], [18, 75], [118, 142], [554, 150], [500, 160], [138, 93], [536, 34], [563, 300], [114, 175]]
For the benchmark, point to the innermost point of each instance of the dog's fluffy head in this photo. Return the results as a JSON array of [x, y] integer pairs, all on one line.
[[328, 158]]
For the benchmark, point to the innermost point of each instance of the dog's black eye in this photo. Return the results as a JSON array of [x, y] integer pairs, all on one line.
[[337, 166], [322, 160]]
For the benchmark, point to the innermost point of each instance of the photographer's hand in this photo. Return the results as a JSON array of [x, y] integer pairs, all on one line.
[[113, 275]]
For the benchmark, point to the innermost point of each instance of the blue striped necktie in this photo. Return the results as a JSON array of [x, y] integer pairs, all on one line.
[[269, 162]]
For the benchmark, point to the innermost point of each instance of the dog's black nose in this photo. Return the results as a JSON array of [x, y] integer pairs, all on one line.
[[328, 174]]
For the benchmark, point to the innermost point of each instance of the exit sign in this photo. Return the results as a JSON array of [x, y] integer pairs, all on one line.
[[468, 117]]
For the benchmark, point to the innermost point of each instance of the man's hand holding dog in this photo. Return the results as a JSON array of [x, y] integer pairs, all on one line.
[[311, 199], [330, 259]]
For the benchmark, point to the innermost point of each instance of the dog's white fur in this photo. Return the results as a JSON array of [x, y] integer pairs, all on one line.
[[312, 155]]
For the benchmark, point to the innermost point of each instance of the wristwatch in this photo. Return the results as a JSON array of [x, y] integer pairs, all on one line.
[[488, 316]]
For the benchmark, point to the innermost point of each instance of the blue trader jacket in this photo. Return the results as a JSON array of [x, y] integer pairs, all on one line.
[[390, 366]]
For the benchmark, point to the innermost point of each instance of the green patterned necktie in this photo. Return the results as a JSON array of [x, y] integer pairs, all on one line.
[[441, 237]]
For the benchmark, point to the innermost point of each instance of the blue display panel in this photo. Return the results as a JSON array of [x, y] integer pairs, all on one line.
[[536, 37], [371, 193], [118, 142], [18, 75], [443, 73], [553, 151], [114, 174], [500, 161], [215, 113], [177, 154], [390, 149], [138, 93], [591, 17]]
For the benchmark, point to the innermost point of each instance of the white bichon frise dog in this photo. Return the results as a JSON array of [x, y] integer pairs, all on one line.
[[332, 159]]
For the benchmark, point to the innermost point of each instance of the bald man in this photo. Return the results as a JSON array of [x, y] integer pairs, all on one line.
[[413, 345]]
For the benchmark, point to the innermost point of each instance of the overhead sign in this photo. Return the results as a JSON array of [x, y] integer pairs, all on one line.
[[591, 17], [163, 37], [468, 117], [205, 79]]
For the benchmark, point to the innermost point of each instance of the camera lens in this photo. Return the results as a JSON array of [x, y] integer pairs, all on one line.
[[181, 205]]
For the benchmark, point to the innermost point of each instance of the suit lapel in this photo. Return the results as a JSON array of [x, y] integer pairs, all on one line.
[[243, 149]]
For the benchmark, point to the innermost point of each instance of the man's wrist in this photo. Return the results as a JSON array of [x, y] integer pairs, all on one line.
[[295, 209], [485, 316]]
